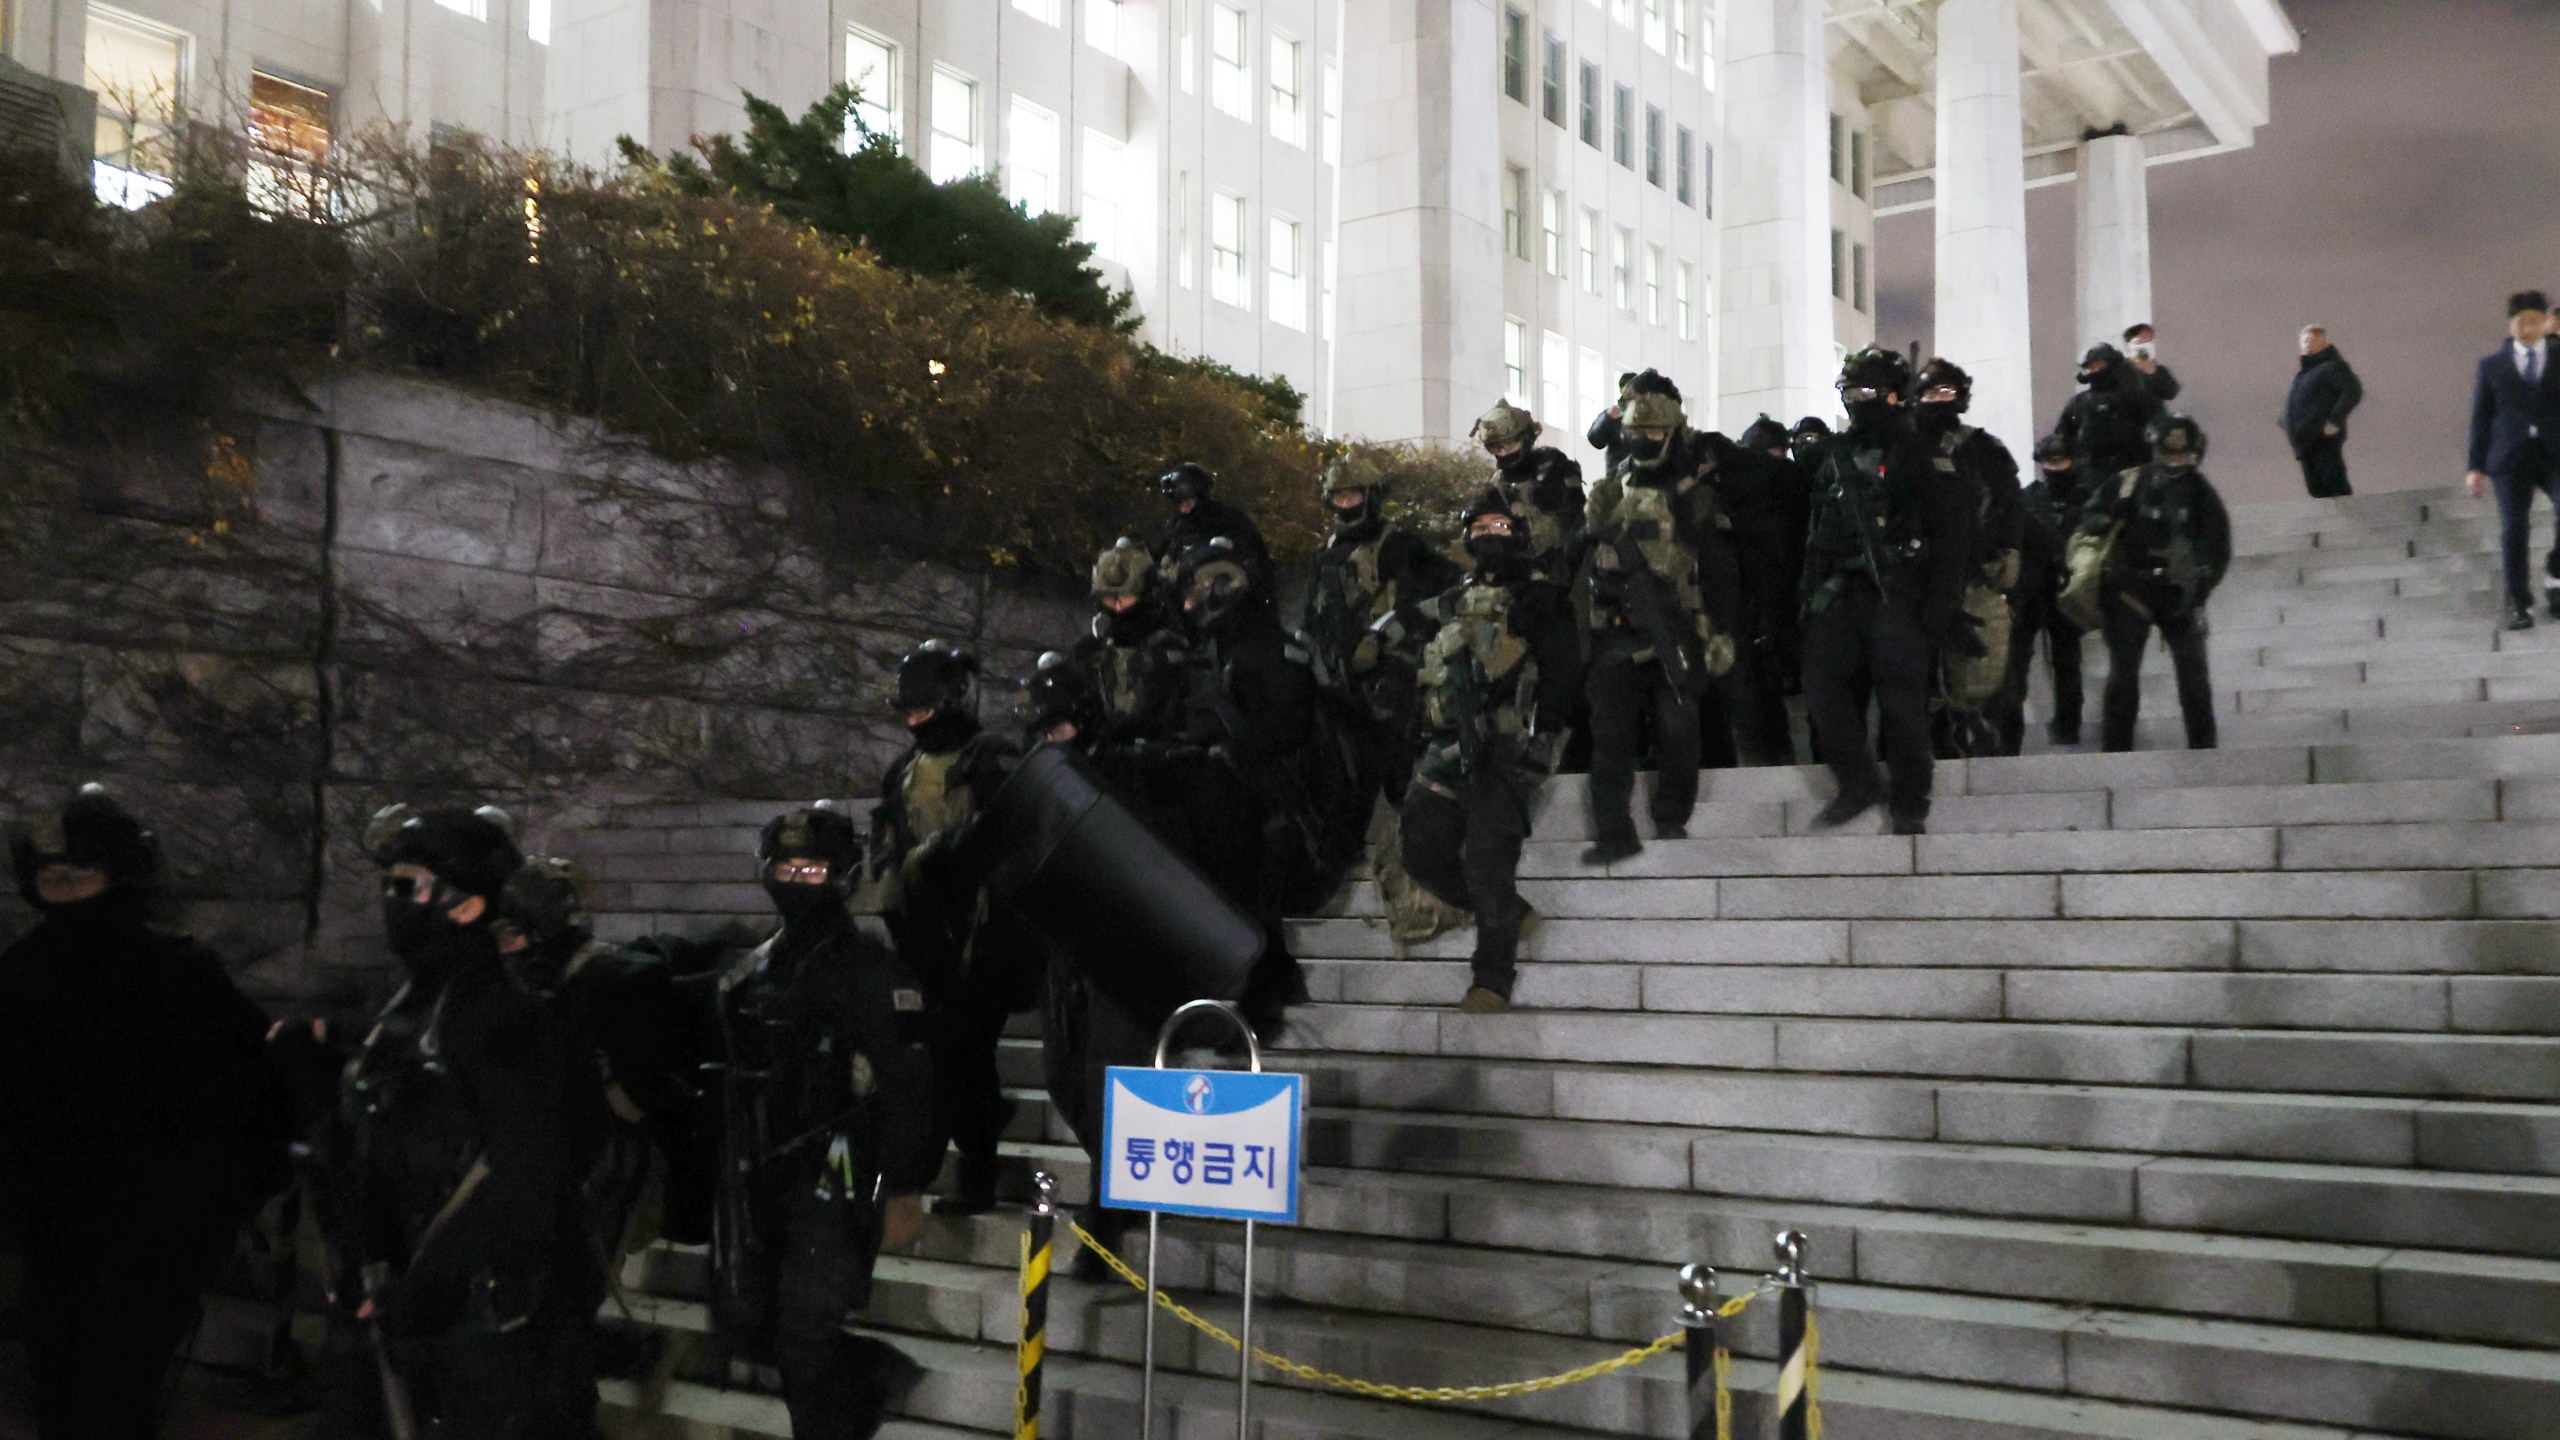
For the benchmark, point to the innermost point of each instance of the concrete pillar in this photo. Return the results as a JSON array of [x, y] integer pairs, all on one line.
[[1982, 215], [1418, 348], [2115, 238], [1776, 344], [664, 71]]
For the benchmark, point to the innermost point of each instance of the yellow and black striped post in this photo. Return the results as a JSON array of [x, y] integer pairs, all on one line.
[[1795, 1357], [1034, 1347], [1698, 1322]]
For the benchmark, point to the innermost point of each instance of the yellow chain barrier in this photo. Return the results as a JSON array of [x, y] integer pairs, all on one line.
[[1449, 1393]]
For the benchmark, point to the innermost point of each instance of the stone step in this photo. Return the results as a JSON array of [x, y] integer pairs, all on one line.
[[2253, 894]]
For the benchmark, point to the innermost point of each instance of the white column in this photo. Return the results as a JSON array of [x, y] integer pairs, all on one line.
[[1775, 320], [2115, 238], [1418, 353], [1982, 215]]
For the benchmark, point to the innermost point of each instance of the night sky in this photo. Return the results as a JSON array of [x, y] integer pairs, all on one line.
[[2404, 186]]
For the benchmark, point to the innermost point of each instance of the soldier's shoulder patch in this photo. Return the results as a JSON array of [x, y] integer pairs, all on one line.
[[906, 999]]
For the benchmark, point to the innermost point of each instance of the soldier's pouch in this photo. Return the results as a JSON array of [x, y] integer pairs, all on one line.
[[1971, 680]]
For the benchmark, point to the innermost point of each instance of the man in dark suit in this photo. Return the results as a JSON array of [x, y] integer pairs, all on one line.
[[2515, 443], [2324, 390]]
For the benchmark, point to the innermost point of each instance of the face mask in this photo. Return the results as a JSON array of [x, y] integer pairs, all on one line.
[[802, 904], [947, 730], [2178, 463], [1936, 418], [2099, 379], [1646, 454], [1498, 555], [1125, 627], [1513, 463], [1870, 414], [1352, 517]]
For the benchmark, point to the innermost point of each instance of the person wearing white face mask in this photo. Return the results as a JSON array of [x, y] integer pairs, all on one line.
[[2142, 347]]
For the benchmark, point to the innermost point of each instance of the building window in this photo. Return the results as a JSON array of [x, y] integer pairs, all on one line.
[[1622, 126], [1682, 12], [1622, 268], [537, 21], [1515, 55], [1031, 157], [1102, 26], [1288, 285], [1098, 213], [1591, 377], [1332, 103], [1653, 145], [1839, 266], [1551, 228], [1623, 11], [1707, 180], [1044, 11], [1590, 104], [1182, 210], [1555, 373], [1707, 45], [1552, 100], [289, 143], [1226, 250], [1186, 44], [476, 9], [955, 126], [1515, 211], [1858, 277], [1653, 284], [1656, 26], [137, 71], [1839, 151], [1589, 250], [871, 68], [1683, 282], [1230, 71], [1684, 165], [1288, 91], [1515, 361], [1858, 163]]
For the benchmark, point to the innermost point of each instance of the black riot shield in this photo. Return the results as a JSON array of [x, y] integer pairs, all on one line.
[[1082, 869]]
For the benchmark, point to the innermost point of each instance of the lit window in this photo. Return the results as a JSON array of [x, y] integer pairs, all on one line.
[[1515, 212], [1551, 228], [1681, 13], [1622, 126], [1098, 213], [1622, 268], [1591, 376], [1589, 250], [1707, 45], [1839, 266], [1555, 373], [1230, 68], [1185, 44], [1102, 26], [1226, 250], [1858, 163], [1653, 146], [1288, 91], [1182, 252], [1552, 98], [1590, 105], [1623, 11], [136, 70], [871, 68], [1515, 361], [1288, 285], [955, 126], [537, 21], [1044, 11], [1653, 284], [289, 143], [1515, 55], [1683, 282], [1332, 114], [1684, 165], [1656, 25], [1031, 158], [1858, 277]]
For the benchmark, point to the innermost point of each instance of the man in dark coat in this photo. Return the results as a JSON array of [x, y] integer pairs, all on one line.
[[139, 1121], [2171, 547], [2325, 391], [2515, 444], [2103, 424]]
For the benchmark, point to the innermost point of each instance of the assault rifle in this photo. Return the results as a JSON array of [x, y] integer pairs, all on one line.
[[1654, 608]]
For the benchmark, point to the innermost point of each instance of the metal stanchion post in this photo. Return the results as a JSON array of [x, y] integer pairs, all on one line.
[[1244, 1338], [1037, 1242], [1794, 1401], [1698, 1318]]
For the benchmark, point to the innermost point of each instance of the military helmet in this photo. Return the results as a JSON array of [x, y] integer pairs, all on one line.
[[1124, 569], [1354, 471], [2101, 353], [1940, 371], [1875, 368], [1488, 501], [935, 676], [545, 900], [1646, 382], [469, 850], [1186, 481], [1649, 409], [1811, 425], [820, 830], [2175, 435], [2052, 447], [1763, 434], [1060, 691], [1504, 424], [94, 831]]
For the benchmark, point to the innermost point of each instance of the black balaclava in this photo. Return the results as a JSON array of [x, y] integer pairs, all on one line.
[[2102, 368], [469, 853], [935, 676], [1938, 417], [1883, 371], [94, 832], [814, 832], [1128, 627], [1502, 559]]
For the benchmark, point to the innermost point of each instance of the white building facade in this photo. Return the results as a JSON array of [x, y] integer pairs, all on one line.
[[1409, 208]]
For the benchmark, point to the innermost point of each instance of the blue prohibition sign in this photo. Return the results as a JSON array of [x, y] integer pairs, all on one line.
[[1222, 1144]]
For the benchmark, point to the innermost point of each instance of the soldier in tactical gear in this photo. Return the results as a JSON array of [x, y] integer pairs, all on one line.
[[1767, 437], [825, 1128], [1541, 483], [1499, 680], [454, 1210], [977, 968], [1199, 517], [1808, 440], [1974, 666], [1608, 432], [2104, 423], [1769, 499], [1659, 594], [1366, 573], [1135, 653], [2053, 504], [1886, 562], [139, 1122], [2153, 544]]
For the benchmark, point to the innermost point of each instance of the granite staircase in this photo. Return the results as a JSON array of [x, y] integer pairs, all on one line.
[[2159, 1096]]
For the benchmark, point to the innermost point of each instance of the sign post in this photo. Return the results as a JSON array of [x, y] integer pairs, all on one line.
[[1219, 1144]]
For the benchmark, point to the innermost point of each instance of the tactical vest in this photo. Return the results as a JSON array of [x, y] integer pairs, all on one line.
[[935, 792], [1546, 527], [1857, 527], [1648, 514], [2161, 518], [1477, 672], [1351, 594], [1970, 680]]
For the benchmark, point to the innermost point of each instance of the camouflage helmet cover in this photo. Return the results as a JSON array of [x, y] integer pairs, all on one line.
[[2176, 435], [1124, 569], [1649, 409], [1352, 471], [1505, 423]]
